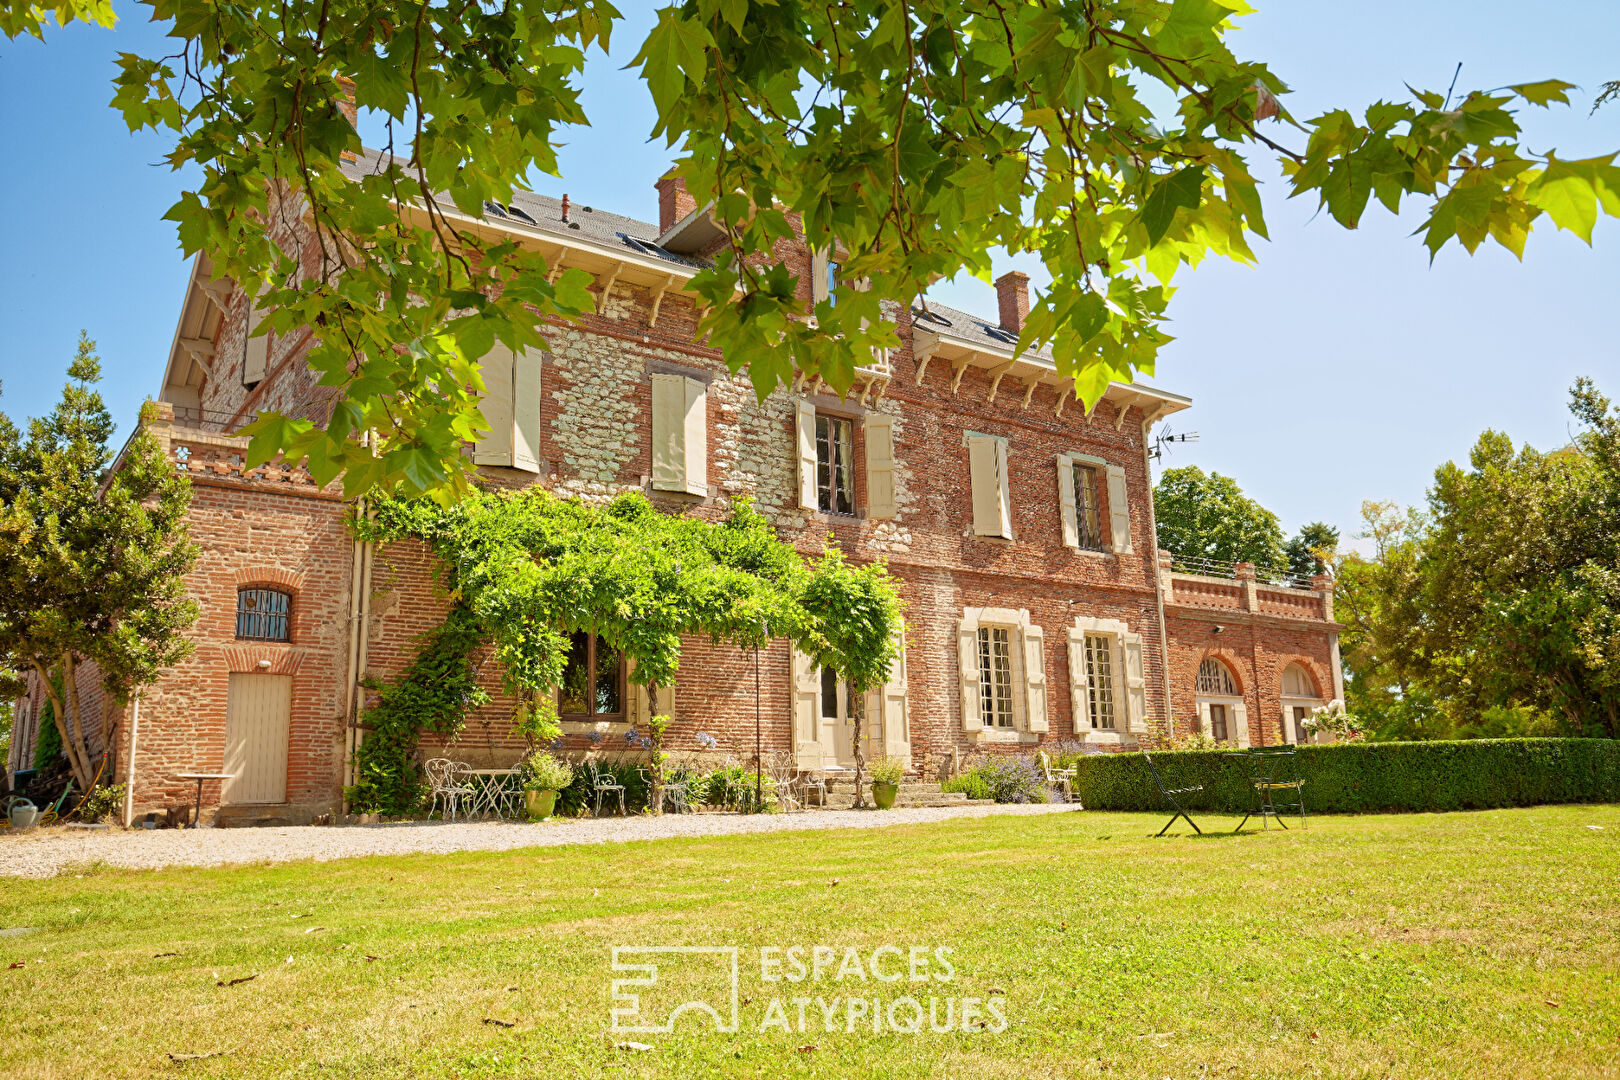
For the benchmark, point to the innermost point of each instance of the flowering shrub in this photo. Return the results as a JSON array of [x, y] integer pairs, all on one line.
[[706, 741], [1004, 778], [1332, 719]]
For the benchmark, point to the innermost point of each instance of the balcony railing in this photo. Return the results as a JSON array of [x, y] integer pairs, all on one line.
[[1282, 578]]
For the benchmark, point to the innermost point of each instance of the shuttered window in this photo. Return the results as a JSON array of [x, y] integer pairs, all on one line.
[[879, 429], [511, 410], [263, 614], [995, 676], [1088, 518], [835, 465], [1100, 681], [680, 434], [992, 498], [593, 679]]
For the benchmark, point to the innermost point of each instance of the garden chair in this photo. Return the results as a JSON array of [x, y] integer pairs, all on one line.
[[1171, 797], [1059, 780], [675, 790], [445, 784], [785, 777], [604, 784], [1275, 772]]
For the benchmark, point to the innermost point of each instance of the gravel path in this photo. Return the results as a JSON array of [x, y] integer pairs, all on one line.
[[42, 853]]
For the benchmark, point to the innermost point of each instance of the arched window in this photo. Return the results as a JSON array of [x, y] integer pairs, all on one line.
[[1296, 682], [1214, 678], [263, 614]]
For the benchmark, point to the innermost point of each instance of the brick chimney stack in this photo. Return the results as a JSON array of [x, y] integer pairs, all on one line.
[[1012, 295], [673, 201], [350, 110]]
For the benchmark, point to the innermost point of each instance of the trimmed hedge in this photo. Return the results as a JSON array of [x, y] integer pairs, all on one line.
[[1364, 777]]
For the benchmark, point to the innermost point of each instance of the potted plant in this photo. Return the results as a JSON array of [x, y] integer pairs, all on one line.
[[886, 773], [544, 776]]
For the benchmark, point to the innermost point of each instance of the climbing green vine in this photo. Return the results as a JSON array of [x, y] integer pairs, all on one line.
[[529, 568]]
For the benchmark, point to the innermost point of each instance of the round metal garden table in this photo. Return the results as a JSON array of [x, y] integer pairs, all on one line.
[[196, 812]]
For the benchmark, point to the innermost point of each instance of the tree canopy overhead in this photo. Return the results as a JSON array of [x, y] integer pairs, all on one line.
[[1206, 516], [911, 136]]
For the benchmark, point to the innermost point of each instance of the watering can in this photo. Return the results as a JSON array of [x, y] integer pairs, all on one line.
[[23, 814]]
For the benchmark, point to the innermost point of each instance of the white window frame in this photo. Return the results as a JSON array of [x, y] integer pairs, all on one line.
[[1026, 643], [1237, 709], [1129, 686], [1069, 501]]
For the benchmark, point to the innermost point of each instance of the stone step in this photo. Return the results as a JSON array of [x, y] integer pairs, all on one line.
[[844, 800], [847, 783]]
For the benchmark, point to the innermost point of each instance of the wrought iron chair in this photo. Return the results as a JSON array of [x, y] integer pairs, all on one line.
[[1171, 797], [1059, 780], [604, 784], [674, 790], [442, 775], [1275, 772], [785, 778]]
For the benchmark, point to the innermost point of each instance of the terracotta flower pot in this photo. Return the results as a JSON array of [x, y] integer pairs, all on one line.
[[540, 804], [884, 794]]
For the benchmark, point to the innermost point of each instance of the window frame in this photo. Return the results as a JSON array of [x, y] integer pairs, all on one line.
[[835, 461], [285, 614], [623, 713], [1094, 700], [1087, 512], [1225, 722], [990, 715], [1228, 689]]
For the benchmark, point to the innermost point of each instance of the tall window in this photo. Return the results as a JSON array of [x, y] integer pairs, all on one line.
[[1296, 682], [262, 614], [593, 680], [1217, 722], [1100, 681], [1214, 678], [1301, 714], [835, 464], [1086, 516], [995, 676]]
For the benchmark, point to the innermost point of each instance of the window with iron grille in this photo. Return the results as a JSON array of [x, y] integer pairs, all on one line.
[[995, 676], [593, 679], [1087, 517], [835, 464], [262, 614], [1100, 681], [1214, 678]]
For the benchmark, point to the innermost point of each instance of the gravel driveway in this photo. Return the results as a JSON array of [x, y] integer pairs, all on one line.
[[41, 853]]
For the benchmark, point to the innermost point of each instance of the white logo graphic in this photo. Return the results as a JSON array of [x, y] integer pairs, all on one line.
[[627, 1016]]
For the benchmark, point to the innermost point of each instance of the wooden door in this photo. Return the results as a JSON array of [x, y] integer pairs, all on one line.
[[258, 722]]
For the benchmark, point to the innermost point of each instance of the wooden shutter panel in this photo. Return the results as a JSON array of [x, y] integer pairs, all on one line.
[[1065, 481], [818, 277], [1079, 700], [967, 649], [807, 455], [879, 465], [987, 466], [807, 748], [896, 717], [495, 448], [1240, 721], [1135, 684], [1119, 510], [668, 433], [1034, 679], [255, 351], [1203, 719], [696, 422], [526, 410]]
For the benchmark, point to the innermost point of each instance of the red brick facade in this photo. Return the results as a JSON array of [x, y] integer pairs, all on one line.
[[356, 614]]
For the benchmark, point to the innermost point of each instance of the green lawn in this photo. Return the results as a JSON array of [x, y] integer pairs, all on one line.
[[1455, 945]]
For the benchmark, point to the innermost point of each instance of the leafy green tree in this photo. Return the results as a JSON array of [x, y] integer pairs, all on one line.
[[92, 562], [912, 136], [1206, 516], [1312, 550]]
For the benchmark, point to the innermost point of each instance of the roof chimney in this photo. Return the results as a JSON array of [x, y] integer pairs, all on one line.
[[1012, 295], [565, 208], [673, 201]]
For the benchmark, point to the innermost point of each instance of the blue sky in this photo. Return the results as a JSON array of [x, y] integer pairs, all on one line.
[[1344, 367]]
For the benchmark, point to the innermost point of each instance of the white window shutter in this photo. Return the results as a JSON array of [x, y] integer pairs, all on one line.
[[526, 410], [256, 351], [668, 433], [879, 465], [1135, 684], [896, 717], [495, 448], [1240, 721], [987, 466], [818, 277], [1119, 510], [1034, 679], [807, 455], [1079, 699], [696, 421], [807, 748], [1065, 481], [1204, 726], [967, 649]]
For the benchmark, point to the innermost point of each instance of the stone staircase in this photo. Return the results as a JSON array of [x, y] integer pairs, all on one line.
[[913, 793]]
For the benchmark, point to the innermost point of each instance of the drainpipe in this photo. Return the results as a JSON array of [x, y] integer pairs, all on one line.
[[129, 785], [359, 604], [1158, 584]]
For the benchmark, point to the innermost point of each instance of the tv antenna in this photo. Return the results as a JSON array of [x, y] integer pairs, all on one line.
[[1165, 437]]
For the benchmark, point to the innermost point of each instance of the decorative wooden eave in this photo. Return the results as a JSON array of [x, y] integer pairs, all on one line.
[[192, 349], [1032, 369]]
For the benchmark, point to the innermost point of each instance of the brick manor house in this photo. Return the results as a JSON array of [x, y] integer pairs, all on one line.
[[1019, 528]]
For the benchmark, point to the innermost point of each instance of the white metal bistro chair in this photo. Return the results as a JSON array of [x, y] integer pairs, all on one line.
[[444, 781], [1059, 780], [603, 785], [785, 776]]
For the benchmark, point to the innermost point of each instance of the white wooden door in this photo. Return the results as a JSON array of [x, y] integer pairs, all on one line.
[[258, 721]]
